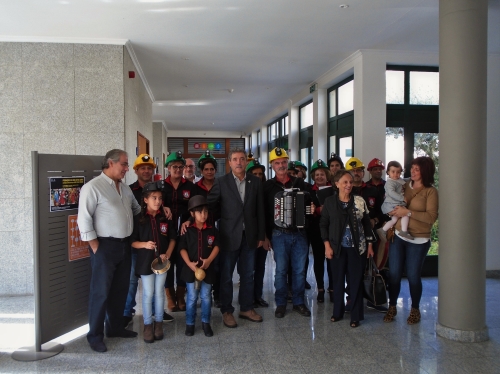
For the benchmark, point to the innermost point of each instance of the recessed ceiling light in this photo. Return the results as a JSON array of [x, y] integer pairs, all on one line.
[[185, 85], [185, 58], [343, 6]]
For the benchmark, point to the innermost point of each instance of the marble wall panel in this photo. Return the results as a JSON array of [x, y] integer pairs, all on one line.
[[51, 143], [11, 54], [98, 144], [98, 101], [48, 99], [12, 217], [11, 164], [47, 54], [11, 95], [99, 56], [14, 257]]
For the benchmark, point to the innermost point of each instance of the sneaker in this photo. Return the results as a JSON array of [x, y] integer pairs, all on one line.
[[302, 310], [378, 308], [406, 235], [167, 317]]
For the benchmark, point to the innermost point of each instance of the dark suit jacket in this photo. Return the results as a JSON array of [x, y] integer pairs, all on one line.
[[224, 200]]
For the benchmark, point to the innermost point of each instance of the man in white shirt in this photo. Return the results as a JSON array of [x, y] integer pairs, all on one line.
[[105, 219]]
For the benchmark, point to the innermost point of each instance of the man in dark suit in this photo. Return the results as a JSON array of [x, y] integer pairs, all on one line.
[[237, 199]]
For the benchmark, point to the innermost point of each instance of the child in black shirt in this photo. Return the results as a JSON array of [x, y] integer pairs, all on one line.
[[198, 247], [152, 233]]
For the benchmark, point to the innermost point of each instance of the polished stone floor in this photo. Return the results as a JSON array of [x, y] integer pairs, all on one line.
[[294, 344]]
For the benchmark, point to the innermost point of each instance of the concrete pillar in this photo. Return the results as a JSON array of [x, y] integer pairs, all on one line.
[[462, 179], [320, 122], [369, 107], [293, 132]]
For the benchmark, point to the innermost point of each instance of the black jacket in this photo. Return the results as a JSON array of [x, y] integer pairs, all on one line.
[[225, 202], [334, 219]]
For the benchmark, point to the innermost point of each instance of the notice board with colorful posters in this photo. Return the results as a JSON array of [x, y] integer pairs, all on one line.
[[65, 192], [77, 248]]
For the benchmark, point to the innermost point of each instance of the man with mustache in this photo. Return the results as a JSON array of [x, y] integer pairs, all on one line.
[[289, 245]]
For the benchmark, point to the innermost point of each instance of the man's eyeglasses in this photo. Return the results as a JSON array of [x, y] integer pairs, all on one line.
[[190, 166], [176, 167]]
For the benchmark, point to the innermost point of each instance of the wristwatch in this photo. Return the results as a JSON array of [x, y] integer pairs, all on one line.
[[409, 213]]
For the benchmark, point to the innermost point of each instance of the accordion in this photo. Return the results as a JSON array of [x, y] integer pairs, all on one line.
[[290, 208]]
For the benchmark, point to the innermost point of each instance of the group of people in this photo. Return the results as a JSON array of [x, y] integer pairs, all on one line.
[[206, 227]]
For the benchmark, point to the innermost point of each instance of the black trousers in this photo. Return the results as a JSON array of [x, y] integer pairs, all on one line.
[[318, 248], [260, 270], [108, 287], [348, 260]]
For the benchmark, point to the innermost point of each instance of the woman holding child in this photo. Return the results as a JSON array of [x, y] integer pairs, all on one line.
[[422, 209]]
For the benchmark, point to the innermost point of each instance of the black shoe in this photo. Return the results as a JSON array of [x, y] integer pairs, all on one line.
[[261, 302], [280, 311], [302, 310], [126, 321], [378, 308], [308, 286], [321, 296], [167, 317], [189, 330], [207, 329], [98, 347], [123, 334]]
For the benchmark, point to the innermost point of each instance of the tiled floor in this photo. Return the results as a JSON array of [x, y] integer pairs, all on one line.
[[294, 344]]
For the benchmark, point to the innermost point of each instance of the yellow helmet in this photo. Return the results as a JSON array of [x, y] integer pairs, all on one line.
[[277, 153], [144, 159], [354, 163]]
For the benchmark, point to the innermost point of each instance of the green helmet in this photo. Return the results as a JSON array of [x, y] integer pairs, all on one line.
[[255, 164], [298, 163], [175, 156], [207, 156], [320, 164]]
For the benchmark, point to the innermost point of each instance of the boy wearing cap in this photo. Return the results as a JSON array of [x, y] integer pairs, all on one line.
[[198, 248]]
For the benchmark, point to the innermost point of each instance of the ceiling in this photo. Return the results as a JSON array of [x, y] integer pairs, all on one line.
[[224, 64]]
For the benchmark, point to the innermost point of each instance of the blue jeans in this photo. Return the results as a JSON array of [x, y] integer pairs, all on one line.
[[245, 257], [206, 302], [132, 288], [290, 248], [412, 255], [153, 285]]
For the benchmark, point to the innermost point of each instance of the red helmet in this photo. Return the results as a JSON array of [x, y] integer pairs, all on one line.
[[374, 163]]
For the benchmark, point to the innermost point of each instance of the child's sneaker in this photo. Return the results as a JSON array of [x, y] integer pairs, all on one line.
[[406, 235], [207, 329], [189, 330]]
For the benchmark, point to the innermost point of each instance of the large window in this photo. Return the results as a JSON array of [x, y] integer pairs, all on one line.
[[341, 119], [412, 97], [306, 121]]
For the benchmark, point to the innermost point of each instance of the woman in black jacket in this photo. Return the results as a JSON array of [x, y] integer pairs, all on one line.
[[347, 234]]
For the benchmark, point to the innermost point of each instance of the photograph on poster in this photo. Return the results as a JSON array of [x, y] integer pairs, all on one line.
[[64, 192]]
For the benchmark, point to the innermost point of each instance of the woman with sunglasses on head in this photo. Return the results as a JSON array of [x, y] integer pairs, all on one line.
[[404, 253]]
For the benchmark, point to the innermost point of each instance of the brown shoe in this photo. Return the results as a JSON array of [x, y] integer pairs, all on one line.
[[158, 330], [171, 301], [251, 315], [148, 333], [414, 316], [229, 320], [181, 302], [391, 313]]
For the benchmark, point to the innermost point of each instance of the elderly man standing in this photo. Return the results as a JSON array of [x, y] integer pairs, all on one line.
[[105, 219], [289, 245], [238, 198], [189, 171]]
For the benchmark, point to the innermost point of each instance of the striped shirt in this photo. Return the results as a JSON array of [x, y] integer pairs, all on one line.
[[103, 212]]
